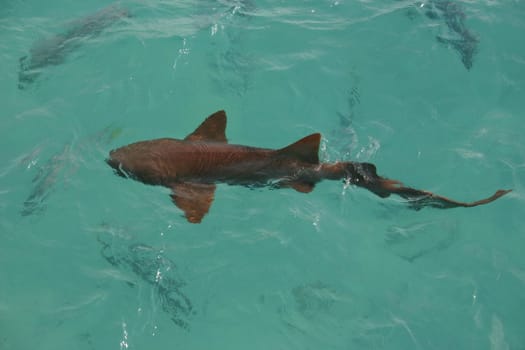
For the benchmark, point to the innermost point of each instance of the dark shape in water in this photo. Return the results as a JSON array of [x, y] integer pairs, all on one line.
[[53, 50], [192, 167], [51, 172], [462, 40], [313, 299], [418, 240], [45, 181], [150, 266]]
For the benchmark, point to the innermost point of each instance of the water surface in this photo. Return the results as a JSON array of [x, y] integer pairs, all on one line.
[[93, 261]]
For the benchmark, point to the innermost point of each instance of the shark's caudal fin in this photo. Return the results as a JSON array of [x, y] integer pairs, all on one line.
[[305, 150], [212, 129], [417, 198]]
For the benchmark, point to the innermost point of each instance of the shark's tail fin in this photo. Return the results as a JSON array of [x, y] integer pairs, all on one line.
[[365, 175]]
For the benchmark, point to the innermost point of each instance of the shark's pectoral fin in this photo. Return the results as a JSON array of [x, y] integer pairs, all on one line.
[[303, 187], [211, 129], [194, 199], [299, 186], [454, 43]]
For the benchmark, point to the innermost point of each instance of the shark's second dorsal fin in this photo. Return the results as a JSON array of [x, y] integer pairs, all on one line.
[[306, 149], [212, 129]]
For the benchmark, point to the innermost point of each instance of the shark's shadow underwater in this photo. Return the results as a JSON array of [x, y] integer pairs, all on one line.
[[192, 167], [463, 40], [54, 50], [459, 37], [151, 267]]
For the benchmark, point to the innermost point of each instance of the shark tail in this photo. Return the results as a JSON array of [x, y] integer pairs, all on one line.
[[367, 177]]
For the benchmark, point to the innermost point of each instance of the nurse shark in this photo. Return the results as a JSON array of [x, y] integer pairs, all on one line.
[[461, 39], [53, 50], [192, 167]]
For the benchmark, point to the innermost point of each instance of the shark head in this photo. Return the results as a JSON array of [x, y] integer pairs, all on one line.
[[115, 163]]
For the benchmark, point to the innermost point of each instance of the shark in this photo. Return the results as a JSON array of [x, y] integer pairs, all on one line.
[[192, 167], [461, 38], [54, 49]]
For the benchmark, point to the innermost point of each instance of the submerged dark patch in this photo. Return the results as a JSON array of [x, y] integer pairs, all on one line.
[[149, 264], [53, 50]]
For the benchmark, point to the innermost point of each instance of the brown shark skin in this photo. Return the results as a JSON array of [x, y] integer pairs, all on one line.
[[191, 168]]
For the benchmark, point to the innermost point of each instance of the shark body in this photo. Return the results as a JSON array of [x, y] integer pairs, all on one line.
[[192, 167]]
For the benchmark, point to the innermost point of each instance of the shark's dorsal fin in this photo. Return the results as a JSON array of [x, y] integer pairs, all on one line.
[[306, 149], [212, 129], [194, 199]]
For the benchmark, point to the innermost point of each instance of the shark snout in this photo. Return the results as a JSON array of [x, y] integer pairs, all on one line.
[[115, 164]]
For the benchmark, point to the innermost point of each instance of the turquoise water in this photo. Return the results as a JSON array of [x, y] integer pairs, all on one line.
[[93, 261]]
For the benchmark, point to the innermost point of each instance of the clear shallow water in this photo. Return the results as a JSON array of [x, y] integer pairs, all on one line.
[[92, 261]]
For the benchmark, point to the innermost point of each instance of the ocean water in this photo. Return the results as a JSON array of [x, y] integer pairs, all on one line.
[[431, 92]]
